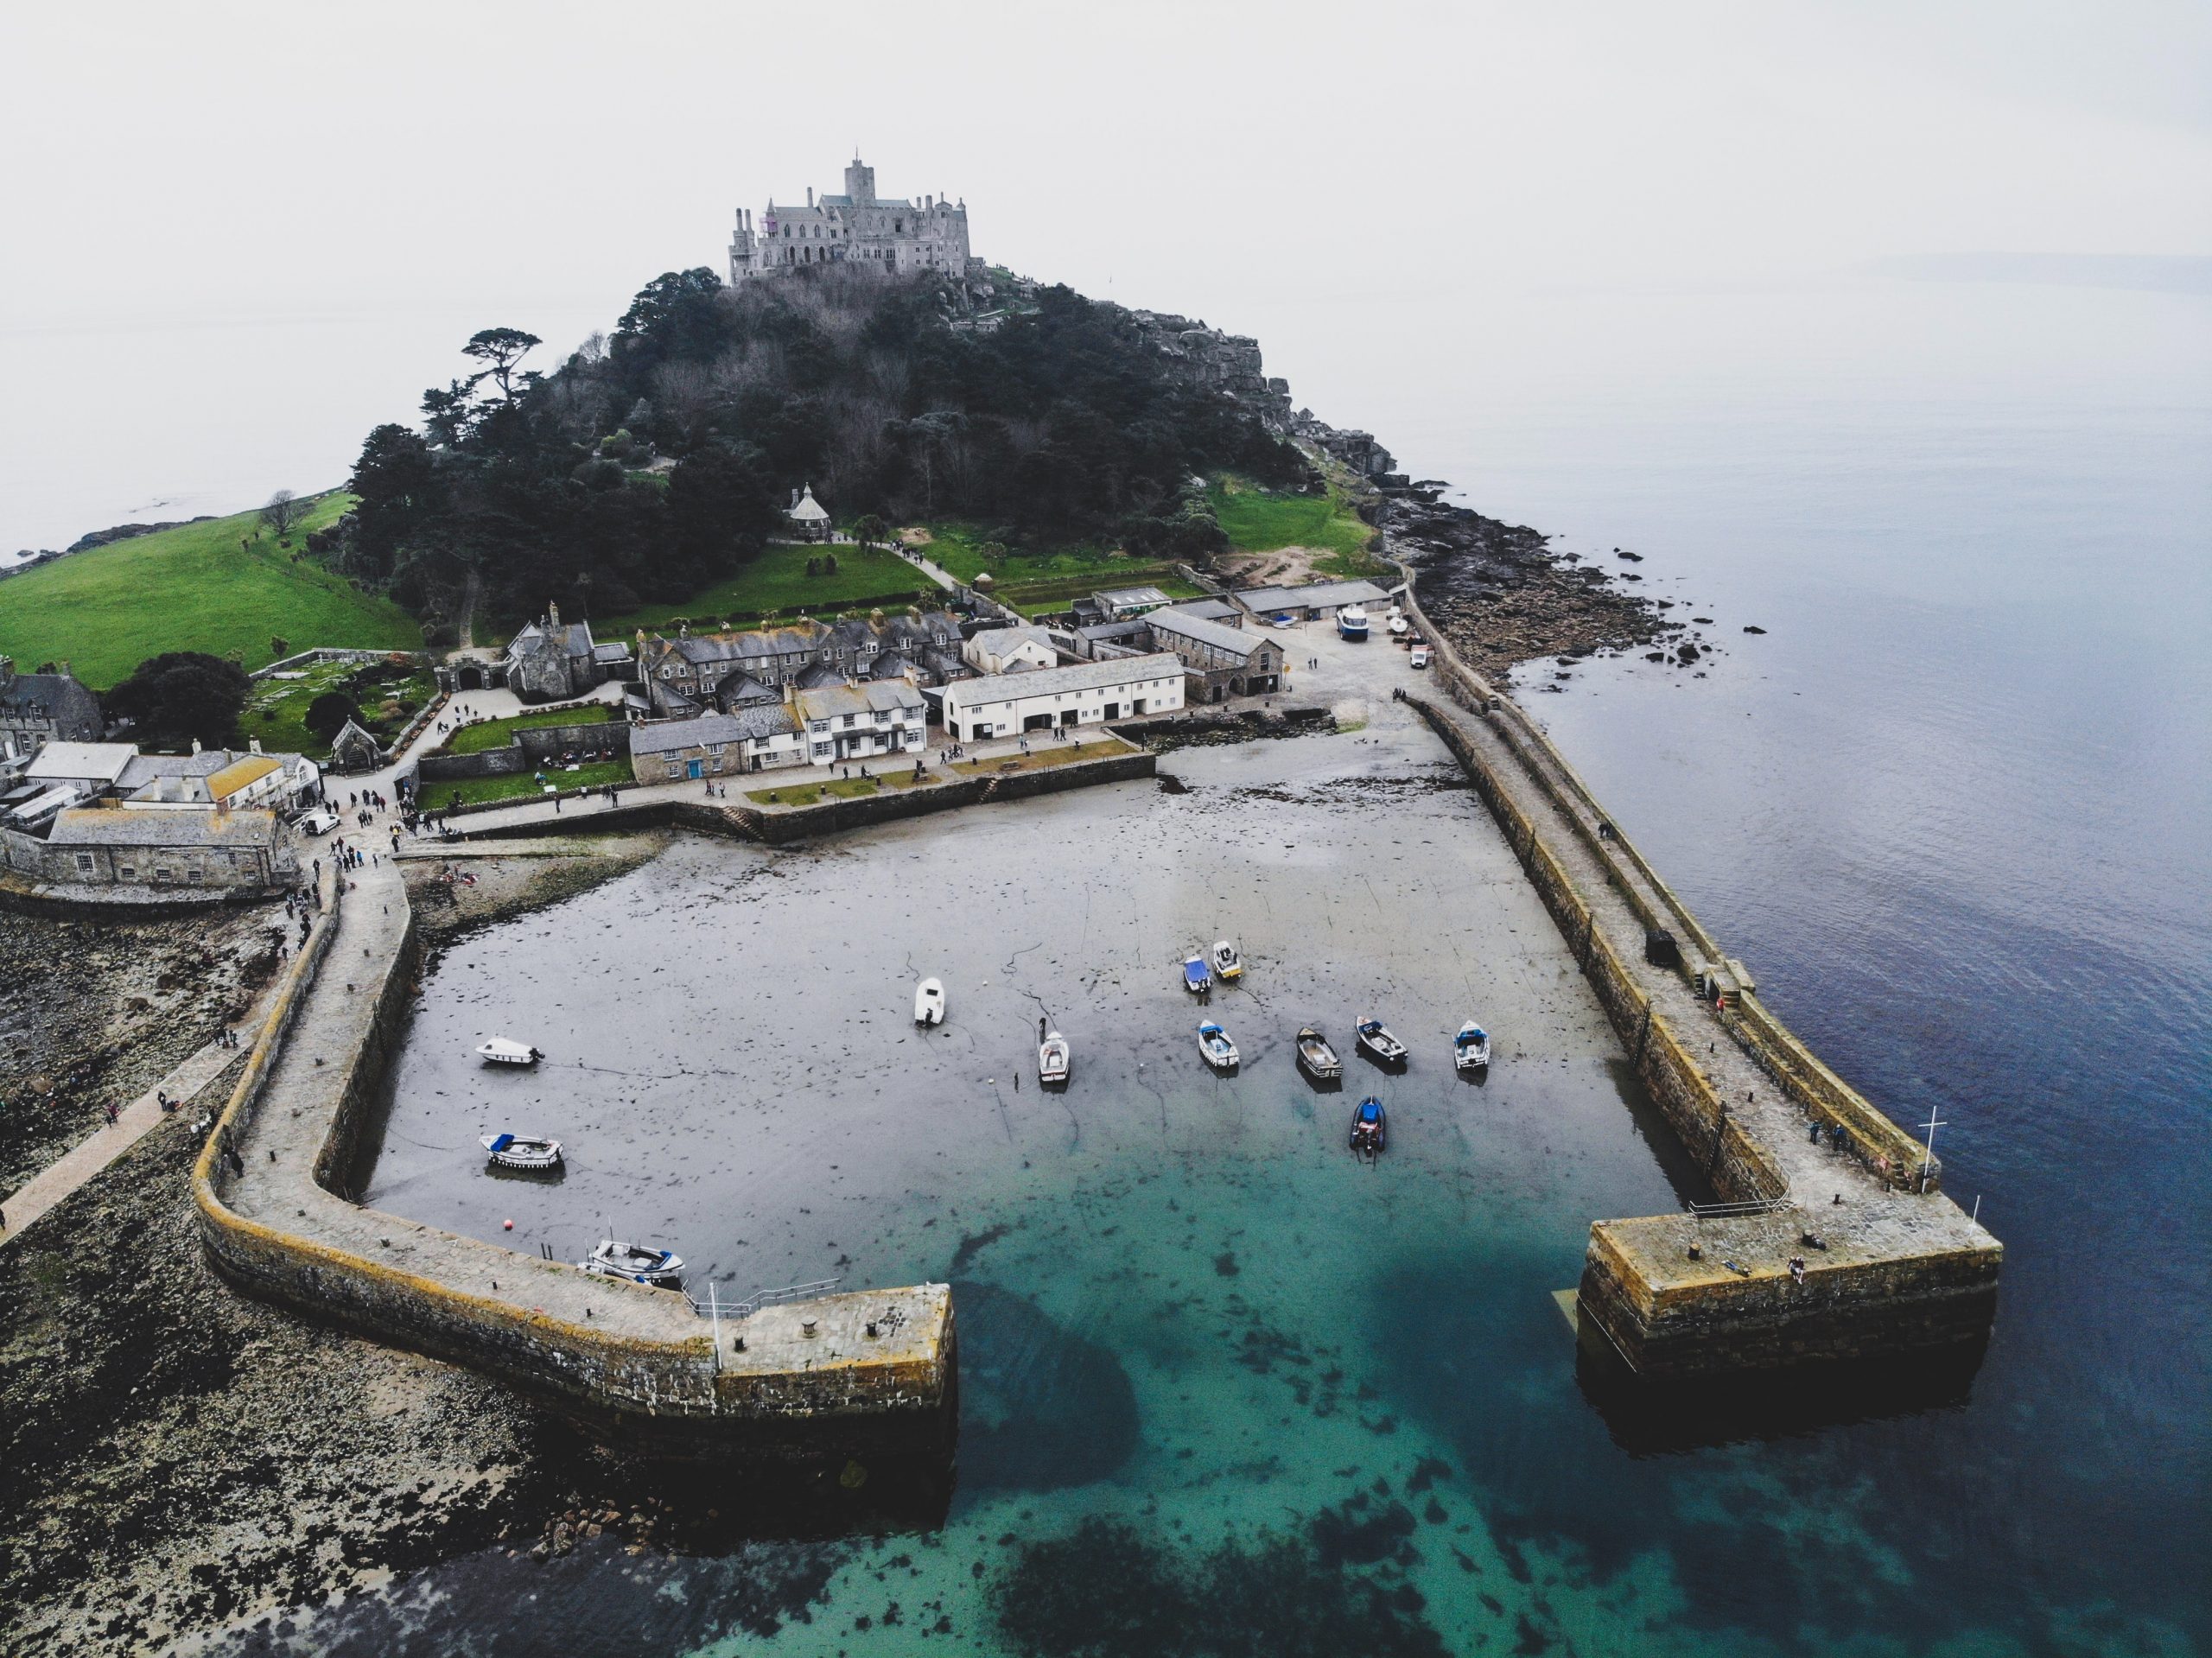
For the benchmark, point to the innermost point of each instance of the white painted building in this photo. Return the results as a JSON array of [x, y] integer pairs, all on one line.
[[995, 650], [1084, 693], [866, 722]]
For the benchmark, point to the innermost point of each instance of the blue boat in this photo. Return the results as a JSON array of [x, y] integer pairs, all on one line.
[[1198, 979], [1370, 1126]]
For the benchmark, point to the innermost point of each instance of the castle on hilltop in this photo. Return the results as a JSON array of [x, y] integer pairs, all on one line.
[[886, 234]]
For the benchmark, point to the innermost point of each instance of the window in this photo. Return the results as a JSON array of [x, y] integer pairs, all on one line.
[[822, 751], [852, 720], [759, 742], [126, 871], [675, 766], [85, 864]]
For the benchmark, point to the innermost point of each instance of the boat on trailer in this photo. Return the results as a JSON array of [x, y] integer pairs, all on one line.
[[1471, 1048], [1213, 1042], [1054, 1058], [522, 1152], [1316, 1057], [663, 1269], [929, 1002], [1370, 1126], [1375, 1041], [501, 1052], [1351, 622], [1226, 963], [1198, 979]]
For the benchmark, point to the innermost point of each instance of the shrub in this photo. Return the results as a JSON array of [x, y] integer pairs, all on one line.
[[327, 714]]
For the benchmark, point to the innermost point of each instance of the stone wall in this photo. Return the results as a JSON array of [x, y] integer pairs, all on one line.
[[532, 746], [1783, 1283], [673, 1396]]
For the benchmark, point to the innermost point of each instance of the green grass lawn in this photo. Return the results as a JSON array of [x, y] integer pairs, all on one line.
[[487, 734], [958, 549], [192, 588], [436, 797], [277, 713], [1044, 753], [1259, 520], [778, 581]]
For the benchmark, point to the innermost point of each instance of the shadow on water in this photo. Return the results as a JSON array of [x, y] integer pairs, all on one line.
[[1656, 1418], [1040, 1407]]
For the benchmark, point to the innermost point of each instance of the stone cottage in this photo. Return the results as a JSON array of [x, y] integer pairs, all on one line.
[[36, 710], [553, 661]]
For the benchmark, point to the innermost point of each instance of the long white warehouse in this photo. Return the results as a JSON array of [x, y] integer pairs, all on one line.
[[1085, 694]]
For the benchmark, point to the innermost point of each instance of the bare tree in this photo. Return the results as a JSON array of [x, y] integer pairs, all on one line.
[[284, 513]]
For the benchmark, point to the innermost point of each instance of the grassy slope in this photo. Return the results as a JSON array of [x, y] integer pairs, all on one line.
[[191, 588], [1046, 581], [776, 580], [1260, 521], [597, 775]]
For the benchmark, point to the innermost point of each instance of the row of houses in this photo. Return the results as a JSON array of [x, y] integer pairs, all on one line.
[[823, 725]]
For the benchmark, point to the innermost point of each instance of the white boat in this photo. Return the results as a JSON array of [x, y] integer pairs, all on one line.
[[1399, 627], [1471, 1048], [1197, 979], [929, 1002], [1213, 1042], [1054, 1058], [521, 1151], [1316, 1057], [662, 1268], [1351, 623], [1226, 963], [500, 1051], [1374, 1037]]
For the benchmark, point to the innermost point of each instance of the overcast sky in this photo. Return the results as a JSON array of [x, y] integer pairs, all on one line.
[[208, 165]]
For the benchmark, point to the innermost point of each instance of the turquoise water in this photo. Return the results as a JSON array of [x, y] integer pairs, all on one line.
[[1227, 1393]]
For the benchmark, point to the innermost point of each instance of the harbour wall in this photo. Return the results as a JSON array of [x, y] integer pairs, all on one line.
[[787, 825], [1842, 1244], [872, 1374]]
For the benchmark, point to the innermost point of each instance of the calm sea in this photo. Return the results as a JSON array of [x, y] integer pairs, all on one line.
[[1954, 806]]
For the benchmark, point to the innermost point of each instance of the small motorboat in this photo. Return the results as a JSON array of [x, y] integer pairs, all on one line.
[[1401, 629], [1054, 1058], [1226, 963], [1196, 978], [500, 1051], [1369, 1127], [1213, 1042], [1471, 1048], [522, 1152], [929, 1002], [661, 1268], [1316, 1057], [1375, 1038]]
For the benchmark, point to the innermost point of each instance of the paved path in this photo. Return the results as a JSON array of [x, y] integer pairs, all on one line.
[[90, 1155]]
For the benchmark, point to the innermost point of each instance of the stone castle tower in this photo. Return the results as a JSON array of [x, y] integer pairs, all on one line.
[[896, 235]]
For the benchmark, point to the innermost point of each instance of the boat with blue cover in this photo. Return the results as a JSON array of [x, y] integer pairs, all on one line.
[[1213, 1042], [521, 1151], [661, 1269], [1471, 1048], [1198, 979], [1369, 1126]]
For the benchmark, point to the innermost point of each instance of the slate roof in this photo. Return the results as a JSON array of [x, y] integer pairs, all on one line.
[[1171, 623], [889, 665], [666, 736], [156, 827], [73, 710], [997, 641], [816, 675], [1120, 597], [1314, 593], [1079, 676], [741, 688], [1209, 610], [570, 639]]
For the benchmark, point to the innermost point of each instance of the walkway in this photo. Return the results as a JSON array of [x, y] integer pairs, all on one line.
[[94, 1152]]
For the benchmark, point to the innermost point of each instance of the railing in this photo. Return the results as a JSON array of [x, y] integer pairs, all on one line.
[[1748, 1206], [714, 1307]]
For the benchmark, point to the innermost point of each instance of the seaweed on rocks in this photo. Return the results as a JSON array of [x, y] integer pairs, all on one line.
[[1499, 593]]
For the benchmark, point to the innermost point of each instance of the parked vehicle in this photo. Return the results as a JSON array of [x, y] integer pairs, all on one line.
[[1213, 1042], [522, 1152], [321, 821], [1419, 658]]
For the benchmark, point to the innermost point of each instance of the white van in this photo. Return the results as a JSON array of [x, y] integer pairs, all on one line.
[[1420, 658], [321, 821]]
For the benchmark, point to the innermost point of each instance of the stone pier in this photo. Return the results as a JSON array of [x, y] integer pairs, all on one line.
[[1887, 1263], [871, 1373]]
